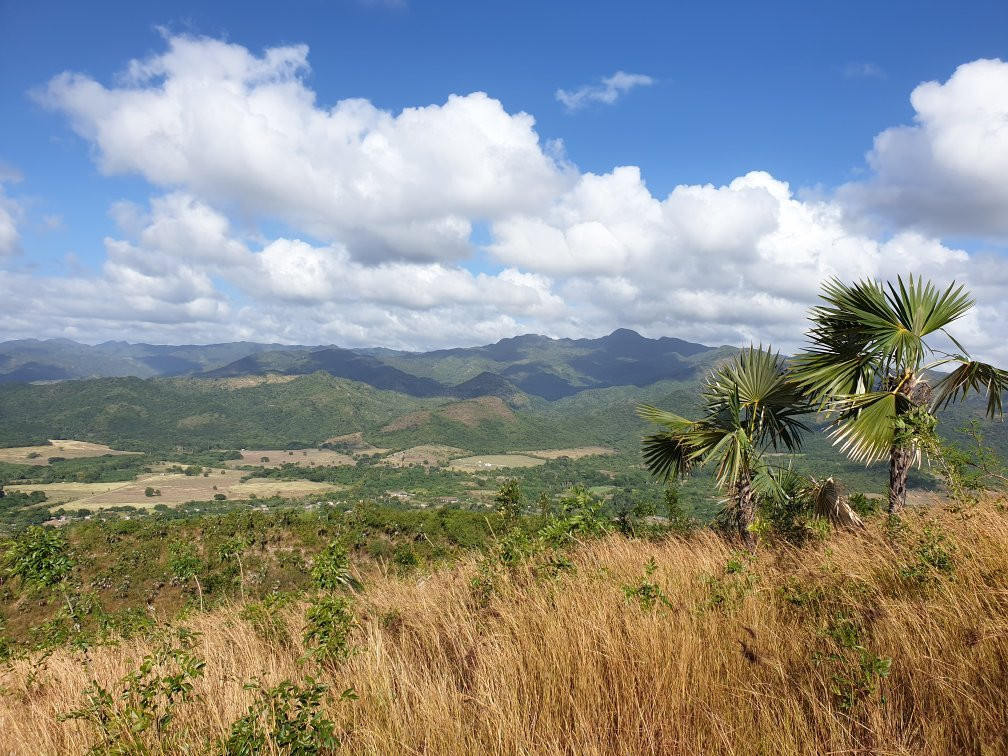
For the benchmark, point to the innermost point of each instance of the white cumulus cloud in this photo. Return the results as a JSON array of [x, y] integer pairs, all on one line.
[[237, 129], [947, 173], [11, 213]]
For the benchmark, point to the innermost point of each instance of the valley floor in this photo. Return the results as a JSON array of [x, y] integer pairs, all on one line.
[[869, 642]]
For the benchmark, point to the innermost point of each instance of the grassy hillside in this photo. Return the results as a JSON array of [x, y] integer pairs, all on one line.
[[866, 642]]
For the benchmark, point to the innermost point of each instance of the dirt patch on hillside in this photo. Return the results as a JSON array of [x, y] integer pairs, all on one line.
[[472, 412], [250, 381], [412, 420], [355, 444]]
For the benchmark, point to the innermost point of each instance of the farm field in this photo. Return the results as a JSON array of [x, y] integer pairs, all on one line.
[[578, 453], [175, 489], [494, 462], [303, 457], [68, 449], [425, 454], [62, 493]]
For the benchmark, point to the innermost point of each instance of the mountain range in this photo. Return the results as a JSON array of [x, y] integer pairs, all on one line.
[[512, 369]]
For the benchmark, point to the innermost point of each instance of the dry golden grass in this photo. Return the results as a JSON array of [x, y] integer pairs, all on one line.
[[66, 448], [576, 453], [489, 462], [301, 457], [567, 664]]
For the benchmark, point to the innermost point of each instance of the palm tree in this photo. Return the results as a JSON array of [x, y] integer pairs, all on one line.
[[750, 405], [868, 368]]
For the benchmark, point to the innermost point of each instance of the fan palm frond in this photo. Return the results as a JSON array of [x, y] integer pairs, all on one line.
[[972, 376], [866, 430], [829, 503]]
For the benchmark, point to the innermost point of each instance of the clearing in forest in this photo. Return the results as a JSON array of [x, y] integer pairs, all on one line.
[[175, 488], [302, 457], [486, 462], [578, 453], [65, 448], [425, 454]]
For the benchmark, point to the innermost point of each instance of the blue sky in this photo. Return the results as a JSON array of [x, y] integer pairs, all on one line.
[[699, 94]]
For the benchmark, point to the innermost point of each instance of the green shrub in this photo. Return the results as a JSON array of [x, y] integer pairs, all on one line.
[[331, 569], [329, 623], [287, 719]]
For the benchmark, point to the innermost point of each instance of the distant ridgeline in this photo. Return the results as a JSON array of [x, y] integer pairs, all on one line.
[[535, 365]]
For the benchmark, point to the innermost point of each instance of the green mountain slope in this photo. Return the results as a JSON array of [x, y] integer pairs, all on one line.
[[160, 413]]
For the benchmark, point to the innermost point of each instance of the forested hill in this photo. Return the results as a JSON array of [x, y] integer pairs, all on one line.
[[280, 411]]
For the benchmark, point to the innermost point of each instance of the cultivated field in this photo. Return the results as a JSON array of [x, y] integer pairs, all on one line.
[[39, 455], [426, 454], [303, 457], [578, 453], [263, 487], [175, 488], [494, 462], [61, 493]]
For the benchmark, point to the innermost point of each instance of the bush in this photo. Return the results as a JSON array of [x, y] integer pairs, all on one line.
[[285, 719], [328, 625], [331, 569]]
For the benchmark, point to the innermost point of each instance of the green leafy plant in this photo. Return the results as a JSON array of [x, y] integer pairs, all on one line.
[[580, 517], [331, 569], [858, 672], [509, 500], [233, 548], [729, 589], [185, 565], [286, 719], [39, 557], [647, 593], [329, 623], [932, 557]]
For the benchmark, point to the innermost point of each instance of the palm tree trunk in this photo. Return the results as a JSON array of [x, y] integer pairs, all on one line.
[[747, 510], [900, 458]]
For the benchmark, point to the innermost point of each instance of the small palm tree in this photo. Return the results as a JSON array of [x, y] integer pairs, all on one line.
[[750, 405], [868, 368]]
